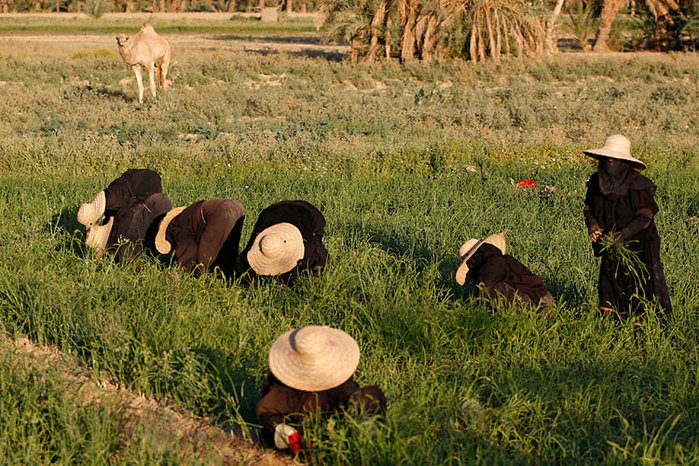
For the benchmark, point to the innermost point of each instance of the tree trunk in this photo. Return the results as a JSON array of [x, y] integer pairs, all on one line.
[[289, 6], [430, 42], [551, 39], [609, 11], [304, 8], [376, 21], [261, 4], [407, 46], [355, 47], [389, 24]]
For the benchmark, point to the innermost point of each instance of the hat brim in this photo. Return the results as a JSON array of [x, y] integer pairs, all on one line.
[[617, 155], [331, 367], [293, 251], [162, 245], [470, 247], [98, 235], [466, 251]]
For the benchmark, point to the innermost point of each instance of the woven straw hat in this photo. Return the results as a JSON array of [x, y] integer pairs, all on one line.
[[276, 249], [617, 147], [97, 236], [162, 245], [90, 213], [471, 246], [314, 358]]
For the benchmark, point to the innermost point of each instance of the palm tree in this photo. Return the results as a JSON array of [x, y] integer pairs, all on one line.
[[660, 9]]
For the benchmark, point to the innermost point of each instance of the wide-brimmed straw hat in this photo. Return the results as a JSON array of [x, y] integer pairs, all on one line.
[[616, 147], [162, 245], [314, 358], [276, 249], [91, 212], [97, 236], [471, 246]]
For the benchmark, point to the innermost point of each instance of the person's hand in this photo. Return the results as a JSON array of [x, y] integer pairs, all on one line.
[[286, 436], [595, 235]]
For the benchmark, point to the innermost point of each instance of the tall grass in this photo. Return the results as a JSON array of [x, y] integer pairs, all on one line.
[[402, 182]]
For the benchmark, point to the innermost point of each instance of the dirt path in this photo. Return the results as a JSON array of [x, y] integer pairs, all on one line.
[[192, 434]]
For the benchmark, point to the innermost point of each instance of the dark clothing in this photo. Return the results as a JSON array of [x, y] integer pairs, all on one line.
[[310, 222], [283, 404], [207, 233], [630, 215], [132, 184], [498, 274], [134, 225], [135, 200]]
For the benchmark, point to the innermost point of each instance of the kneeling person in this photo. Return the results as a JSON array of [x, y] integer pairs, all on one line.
[[206, 233], [496, 273], [311, 372]]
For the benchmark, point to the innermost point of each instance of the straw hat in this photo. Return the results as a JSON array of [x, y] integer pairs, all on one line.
[[162, 245], [471, 246], [617, 147], [276, 249], [314, 358], [97, 236], [90, 213]]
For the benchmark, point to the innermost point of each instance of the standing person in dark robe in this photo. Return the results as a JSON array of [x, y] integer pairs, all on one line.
[[311, 372], [501, 275], [206, 234], [620, 201], [119, 217], [286, 240]]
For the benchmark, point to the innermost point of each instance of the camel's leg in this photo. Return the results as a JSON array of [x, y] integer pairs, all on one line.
[[163, 73], [151, 78], [139, 81]]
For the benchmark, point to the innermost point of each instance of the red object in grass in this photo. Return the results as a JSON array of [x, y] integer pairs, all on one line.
[[295, 442], [528, 183]]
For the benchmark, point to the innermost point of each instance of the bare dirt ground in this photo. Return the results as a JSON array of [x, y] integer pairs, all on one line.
[[239, 42], [192, 434]]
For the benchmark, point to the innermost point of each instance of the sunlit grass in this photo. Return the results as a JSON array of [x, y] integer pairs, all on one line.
[[406, 163]]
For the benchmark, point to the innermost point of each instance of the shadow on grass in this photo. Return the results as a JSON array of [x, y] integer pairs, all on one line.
[[640, 397], [304, 40], [71, 234], [327, 55]]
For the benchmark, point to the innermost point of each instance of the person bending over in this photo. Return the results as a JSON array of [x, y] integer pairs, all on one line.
[[500, 275], [206, 234], [120, 217], [311, 372], [286, 240]]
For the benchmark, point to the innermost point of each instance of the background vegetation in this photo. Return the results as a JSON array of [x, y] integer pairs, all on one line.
[[406, 162]]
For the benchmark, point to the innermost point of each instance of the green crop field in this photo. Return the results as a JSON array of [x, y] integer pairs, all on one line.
[[406, 162]]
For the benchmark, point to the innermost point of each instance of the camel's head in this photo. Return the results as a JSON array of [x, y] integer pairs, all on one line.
[[122, 40]]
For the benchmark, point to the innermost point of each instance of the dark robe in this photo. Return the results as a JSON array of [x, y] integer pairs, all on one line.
[[207, 233], [310, 222], [627, 209], [135, 201], [283, 404], [132, 184], [503, 275]]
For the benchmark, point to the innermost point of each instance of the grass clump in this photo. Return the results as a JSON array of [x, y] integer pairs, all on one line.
[[625, 257]]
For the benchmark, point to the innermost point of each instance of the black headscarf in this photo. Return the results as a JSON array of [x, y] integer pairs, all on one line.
[[614, 177]]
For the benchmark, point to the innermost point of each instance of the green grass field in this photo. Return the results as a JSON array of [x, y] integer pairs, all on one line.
[[406, 162]]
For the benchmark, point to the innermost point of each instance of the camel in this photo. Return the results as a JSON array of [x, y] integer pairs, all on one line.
[[146, 49]]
